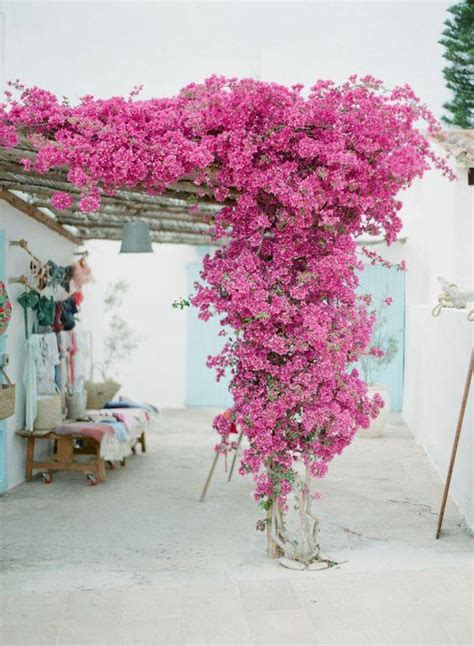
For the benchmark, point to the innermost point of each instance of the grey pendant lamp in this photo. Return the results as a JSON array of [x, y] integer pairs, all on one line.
[[136, 238]]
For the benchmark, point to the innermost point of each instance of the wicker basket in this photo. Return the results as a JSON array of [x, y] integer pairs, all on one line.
[[49, 413], [7, 397], [100, 392], [76, 404]]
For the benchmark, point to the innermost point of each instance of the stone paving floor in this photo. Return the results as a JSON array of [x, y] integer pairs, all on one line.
[[138, 560]]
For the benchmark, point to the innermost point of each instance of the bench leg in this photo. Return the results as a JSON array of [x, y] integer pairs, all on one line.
[[100, 464], [30, 452], [143, 442]]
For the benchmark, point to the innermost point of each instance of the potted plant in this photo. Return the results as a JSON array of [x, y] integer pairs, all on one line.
[[379, 355]]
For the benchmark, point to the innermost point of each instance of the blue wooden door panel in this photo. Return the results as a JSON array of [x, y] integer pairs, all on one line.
[[382, 282], [203, 340], [202, 389]]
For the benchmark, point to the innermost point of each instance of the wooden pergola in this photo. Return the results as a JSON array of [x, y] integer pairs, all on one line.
[[168, 214]]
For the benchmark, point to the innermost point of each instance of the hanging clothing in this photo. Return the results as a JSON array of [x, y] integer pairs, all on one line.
[[47, 362], [59, 276], [62, 374], [72, 359], [33, 356], [80, 355]]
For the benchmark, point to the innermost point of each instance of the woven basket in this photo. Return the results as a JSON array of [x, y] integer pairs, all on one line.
[[7, 397], [76, 404], [49, 413], [100, 392]]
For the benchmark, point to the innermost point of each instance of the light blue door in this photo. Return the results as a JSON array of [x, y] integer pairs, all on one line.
[[3, 423], [203, 340], [202, 389], [382, 282]]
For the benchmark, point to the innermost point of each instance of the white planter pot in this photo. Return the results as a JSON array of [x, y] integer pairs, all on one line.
[[377, 425]]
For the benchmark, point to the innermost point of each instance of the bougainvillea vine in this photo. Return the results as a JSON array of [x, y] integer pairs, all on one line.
[[307, 174]]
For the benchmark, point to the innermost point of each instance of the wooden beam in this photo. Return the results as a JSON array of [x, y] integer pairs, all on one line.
[[57, 180], [34, 213], [185, 186], [163, 237], [33, 182], [106, 223], [129, 211]]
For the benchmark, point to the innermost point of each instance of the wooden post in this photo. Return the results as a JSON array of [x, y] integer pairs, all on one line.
[[30, 451], [209, 477], [234, 459], [457, 436], [99, 464]]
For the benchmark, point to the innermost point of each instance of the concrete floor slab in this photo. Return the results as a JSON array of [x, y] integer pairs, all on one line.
[[138, 560]]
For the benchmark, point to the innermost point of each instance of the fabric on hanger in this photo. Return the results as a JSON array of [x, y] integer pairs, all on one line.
[[44, 310], [46, 364], [82, 273], [72, 358], [63, 345], [69, 309], [42, 306], [58, 312], [59, 276], [27, 300], [80, 363], [33, 355], [40, 272], [78, 298]]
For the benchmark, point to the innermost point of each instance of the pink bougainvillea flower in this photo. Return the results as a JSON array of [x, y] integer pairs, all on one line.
[[61, 200], [300, 178]]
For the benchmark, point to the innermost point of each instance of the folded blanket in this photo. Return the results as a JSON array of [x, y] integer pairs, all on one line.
[[133, 418], [86, 429], [123, 402], [114, 442]]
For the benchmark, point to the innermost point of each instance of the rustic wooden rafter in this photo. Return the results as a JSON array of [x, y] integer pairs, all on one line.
[[167, 214], [36, 214]]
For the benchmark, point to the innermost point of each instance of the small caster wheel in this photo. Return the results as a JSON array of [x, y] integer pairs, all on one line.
[[47, 478], [93, 480]]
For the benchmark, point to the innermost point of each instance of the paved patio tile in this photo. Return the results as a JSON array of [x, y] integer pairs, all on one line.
[[192, 573], [92, 617], [152, 602], [214, 619], [29, 633], [152, 630], [276, 627], [35, 607], [274, 594]]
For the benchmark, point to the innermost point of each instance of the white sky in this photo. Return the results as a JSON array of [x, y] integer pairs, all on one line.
[[105, 48]]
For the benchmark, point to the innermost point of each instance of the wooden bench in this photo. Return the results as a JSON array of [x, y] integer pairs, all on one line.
[[62, 458]]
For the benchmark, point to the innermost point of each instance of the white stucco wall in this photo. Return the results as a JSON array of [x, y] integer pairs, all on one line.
[[438, 220], [157, 371], [45, 244]]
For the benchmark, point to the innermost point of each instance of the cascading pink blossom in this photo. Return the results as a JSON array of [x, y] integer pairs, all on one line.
[[306, 175]]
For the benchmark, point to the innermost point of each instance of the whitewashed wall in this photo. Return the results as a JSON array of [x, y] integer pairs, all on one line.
[[46, 245], [157, 371], [438, 217]]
